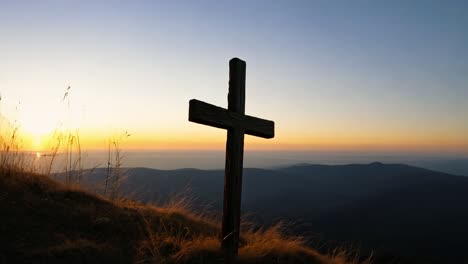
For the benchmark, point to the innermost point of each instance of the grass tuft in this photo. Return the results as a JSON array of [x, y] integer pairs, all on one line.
[[47, 221]]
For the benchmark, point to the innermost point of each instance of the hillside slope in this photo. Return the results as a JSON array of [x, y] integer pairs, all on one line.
[[393, 211], [43, 221]]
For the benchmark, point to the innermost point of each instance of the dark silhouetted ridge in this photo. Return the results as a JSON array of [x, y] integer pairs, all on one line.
[[395, 211], [43, 221]]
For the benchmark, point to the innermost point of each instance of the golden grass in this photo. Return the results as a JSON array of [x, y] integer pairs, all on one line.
[[45, 221], [63, 222]]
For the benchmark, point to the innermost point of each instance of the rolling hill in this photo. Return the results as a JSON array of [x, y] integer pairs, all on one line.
[[45, 221], [394, 211]]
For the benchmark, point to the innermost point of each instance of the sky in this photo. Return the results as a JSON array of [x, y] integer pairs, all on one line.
[[333, 75]]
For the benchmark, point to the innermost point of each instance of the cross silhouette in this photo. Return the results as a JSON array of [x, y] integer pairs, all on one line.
[[237, 124]]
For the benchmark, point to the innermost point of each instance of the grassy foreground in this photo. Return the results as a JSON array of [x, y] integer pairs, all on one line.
[[44, 221]]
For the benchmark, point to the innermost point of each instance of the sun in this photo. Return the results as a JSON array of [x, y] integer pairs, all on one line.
[[34, 142], [37, 127], [36, 130], [38, 120]]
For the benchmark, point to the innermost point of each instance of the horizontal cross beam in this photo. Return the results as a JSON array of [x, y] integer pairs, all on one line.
[[208, 114]]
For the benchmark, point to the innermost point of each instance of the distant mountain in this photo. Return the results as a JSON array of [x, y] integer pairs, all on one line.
[[400, 212], [457, 166]]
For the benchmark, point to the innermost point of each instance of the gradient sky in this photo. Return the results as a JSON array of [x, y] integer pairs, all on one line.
[[342, 75]]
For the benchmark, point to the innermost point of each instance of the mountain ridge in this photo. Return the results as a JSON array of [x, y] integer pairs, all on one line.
[[342, 203]]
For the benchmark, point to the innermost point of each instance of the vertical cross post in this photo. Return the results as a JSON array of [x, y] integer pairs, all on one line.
[[234, 160], [237, 124]]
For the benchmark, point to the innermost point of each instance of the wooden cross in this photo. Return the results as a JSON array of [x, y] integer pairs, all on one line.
[[237, 124]]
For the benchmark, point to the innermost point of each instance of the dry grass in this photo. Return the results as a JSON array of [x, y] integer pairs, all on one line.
[[47, 221]]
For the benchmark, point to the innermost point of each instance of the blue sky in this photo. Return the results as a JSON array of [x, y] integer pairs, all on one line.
[[332, 74]]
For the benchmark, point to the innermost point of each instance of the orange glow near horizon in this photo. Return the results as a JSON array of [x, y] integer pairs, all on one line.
[[340, 86], [215, 139]]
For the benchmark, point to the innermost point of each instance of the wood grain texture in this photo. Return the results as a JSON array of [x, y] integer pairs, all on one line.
[[237, 124], [211, 115], [234, 161]]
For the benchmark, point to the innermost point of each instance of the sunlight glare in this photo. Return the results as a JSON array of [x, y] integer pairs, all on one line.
[[37, 126]]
